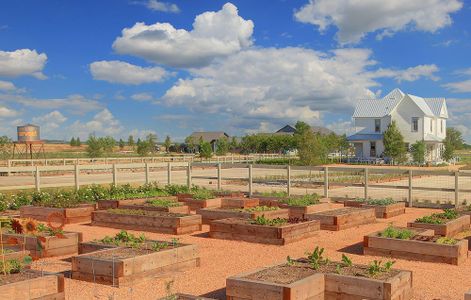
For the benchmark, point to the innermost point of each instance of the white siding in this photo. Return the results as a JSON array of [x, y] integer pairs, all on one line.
[[403, 115], [367, 125]]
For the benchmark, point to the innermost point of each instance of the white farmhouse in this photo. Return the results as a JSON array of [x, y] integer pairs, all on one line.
[[418, 119]]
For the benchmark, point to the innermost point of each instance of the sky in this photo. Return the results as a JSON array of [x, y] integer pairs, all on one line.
[[134, 67]]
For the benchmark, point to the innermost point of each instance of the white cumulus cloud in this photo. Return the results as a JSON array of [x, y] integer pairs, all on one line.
[[162, 6], [122, 72], [7, 86], [50, 122], [354, 18], [22, 62], [6, 112], [214, 34], [103, 123]]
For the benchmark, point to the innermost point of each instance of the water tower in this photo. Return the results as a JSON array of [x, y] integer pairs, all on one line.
[[29, 143]]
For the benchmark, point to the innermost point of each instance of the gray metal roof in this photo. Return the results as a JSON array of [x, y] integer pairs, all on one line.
[[378, 108], [365, 137], [208, 136]]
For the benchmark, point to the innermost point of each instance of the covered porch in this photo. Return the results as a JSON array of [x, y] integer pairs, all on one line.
[[367, 146]]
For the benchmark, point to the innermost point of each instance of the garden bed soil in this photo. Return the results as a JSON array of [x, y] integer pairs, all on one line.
[[47, 246], [181, 209], [211, 214], [31, 284], [153, 221], [448, 229], [123, 266], [421, 247], [79, 214], [382, 211], [180, 296], [88, 247], [243, 230], [106, 204], [301, 211], [239, 202], [343, 218], [195, 204], [285, 282]]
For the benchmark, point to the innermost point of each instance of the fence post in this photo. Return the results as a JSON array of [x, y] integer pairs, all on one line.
[[288, 174], [77, 173], [366, 183], [457, 189], [63, 161], [9, 166], [147, 174], [115, 175], [250, 181], [37, 180], [188, 175], [219, 177], [326, 182], [409, 196], [169, 173]]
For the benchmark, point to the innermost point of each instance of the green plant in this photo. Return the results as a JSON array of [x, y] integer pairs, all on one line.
[[347, 262], [305, 200], [12, 266], [378, 202], [290, 261], [446, 241], [316, 258], [261, 220], [203, 194], [124, 238], [157, 246], [376, 267], [258, 208], [397, 233], [163, 203], [439, 218]]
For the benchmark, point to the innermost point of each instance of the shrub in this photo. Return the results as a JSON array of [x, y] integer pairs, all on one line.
[[203, 194], [19, 200], [396, 233], [305, 200], [4, 205], [439, 218]]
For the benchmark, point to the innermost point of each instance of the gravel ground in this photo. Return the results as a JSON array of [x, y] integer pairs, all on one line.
[[221, 259]]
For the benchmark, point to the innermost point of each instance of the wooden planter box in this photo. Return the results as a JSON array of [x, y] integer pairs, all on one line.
[[268, 201], [382, 211], [467, 296], [194, 204], [89, 247], [161, 223], [126, 271], [45, 286], [416, 250], [180, 296], [107, 204], [309, 288], [449, 229], [301, 211], [212, 214], [343, 218], [52, 246], [241, 229], [239, 202], [181, 197], [80, 214], [182, 209], [319, 286]]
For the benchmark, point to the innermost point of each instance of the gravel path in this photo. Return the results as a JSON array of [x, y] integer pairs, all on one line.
[[221, 259]]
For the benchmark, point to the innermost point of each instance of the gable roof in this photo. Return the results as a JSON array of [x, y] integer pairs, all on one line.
[[288, 129], [208, 136], [378, 108]]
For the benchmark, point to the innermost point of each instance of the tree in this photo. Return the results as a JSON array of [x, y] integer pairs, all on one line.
[[205, 149], [107, 144], [5, 147], [311, 150], [78, 143], [143, 147], [94, 147], [394, 146], [222, 146], [73, 143], [121, 144], [167, 144], [455, 138], [418, 150], [233, 145], [151, 139], [449, 151], [131, 142], [190, 143]]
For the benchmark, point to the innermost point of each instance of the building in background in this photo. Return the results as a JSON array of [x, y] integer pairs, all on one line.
[[211, 137]]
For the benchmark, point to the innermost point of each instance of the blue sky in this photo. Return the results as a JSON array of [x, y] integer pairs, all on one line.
[[120, 67]]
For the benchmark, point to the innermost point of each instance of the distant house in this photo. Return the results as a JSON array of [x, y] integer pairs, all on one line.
[[211, 137], [418, 119], [288, 129]]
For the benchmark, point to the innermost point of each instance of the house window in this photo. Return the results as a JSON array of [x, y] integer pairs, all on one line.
[[372, 149], [415, 124], [377, 125]]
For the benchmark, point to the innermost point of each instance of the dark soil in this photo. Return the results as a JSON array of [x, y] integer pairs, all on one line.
[[120, 253], [339, 211], [140, 212], [17, 277], [287, 274]]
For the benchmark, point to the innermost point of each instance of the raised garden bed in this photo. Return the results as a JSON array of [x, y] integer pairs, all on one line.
[[123, 266], [343, 218], [281, 232], [384, 208], [467, 296], [107, 204], [446, 224], [301, 205], [180, 296], [299, 281], [238, 202], [13, 252], [416, 244], [152, 221], [79, 214], [195, 204], [31, 284], [163, 204], [43, 245], [211, 214]]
